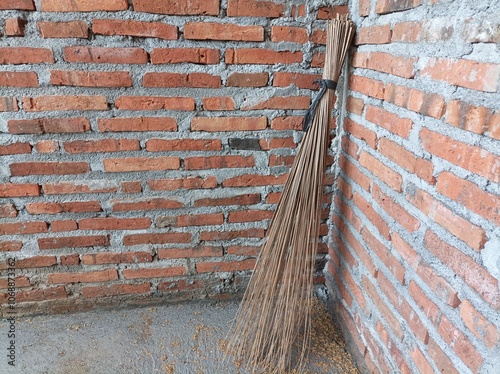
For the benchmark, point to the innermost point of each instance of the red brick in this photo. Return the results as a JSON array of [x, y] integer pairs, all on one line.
[[104, 55], [250, 215], [247, 180], [318, 37], [442, 361], [36, 262], [47, 146], [418, 101], [178, 7], [88, 277], [92, 186], [389, 6], [83, 6], [7, 211], [181, 285], [381, 171], [367, 86], [137, 124], [18, 79], [154, 103], [112, 223], [58, 103], [279, 102], [134, 28], [17, 5], [480, 30], [285, 79], [354, 173], [25, 55], [11, 246], [15, 26], [470, 196], [15, 149], [173, 271], [289, 34], [8, 104], [228, 235], [389, 121], [48, 125], [406, 32], [222, 31], [386, 63], [248, 199], [355, 105], [144, 204], [180, 55], [154, 238], [421, 361], [196, 80], [331, 12], [182, 183], [131, 187], [217, 162], [19, 189], [247, 80], [478, 160], [50, 293], [19, 282], [372, 215], [472, 118], [200, 220], [461, 345], [63, 225], [160, 145], [374, 35], [407, 160], [364, 7], [215, 124], [90, 78], [464, 73], [254, 8], [439, 285], [213, 267], [116, 289], [119, 165], [428, 307], [385, 255], [103, 145], [48, 168], [277, 143], [465, 267], [70, 29], [287, 123], [471, 234], [66, 207], [243, 250], [361, 132], [218, 103], [116, 258], [478, 324], [261, 56], [73, 242], [196, 252], [395, 210]]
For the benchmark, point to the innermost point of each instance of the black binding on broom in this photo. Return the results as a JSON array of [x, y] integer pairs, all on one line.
[[326, 84]]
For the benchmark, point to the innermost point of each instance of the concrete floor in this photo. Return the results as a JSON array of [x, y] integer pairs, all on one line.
[[184, 338]]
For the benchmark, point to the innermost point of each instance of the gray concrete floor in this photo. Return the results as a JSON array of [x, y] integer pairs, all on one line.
[[171, 339]]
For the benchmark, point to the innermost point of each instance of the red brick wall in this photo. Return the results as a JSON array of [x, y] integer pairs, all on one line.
[[415, 248], [144, 145]]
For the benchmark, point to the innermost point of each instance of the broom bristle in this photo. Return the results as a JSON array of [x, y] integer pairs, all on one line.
[[276, 306]]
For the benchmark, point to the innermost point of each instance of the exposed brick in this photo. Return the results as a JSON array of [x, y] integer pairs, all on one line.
[[353, 172], [70, 29], [63, 225], [137, 124], [465, 267], [158, 203], [182, 183], [116, 258], [119, 165], [92, 186], [47, 146], [389, 6], [179, 55], [247, 180], [287, 123], [428, 104], [361, 132], [17, 5], [218, 103], [21, 281], [48, 168], [478, 324], [248, 199], [173, 271], [481, 30], [250, 215], [19, 189], [214, 124], [112, 223], [104, 55], [116, 289], [288, 34], [261, 56], [11, 246], [222, 31], [364, 8], [279, 102], [88, 277], [164, 238], [217, 162], [131, 187], [425, 304], [478, 160], [103, 145], [439, 285], [83, 6], [15, 149], [477, 119], [285, 79], [421, 361], [196, 80], [406, 32], [90, 78], [247, 79], [254, 8], [134, 28], [178, 7], [48, 125], [441, 360], [66, 207], [70, 260], [386, 63], [58, 103], [464, 73], [383, 172], [276, 143], [18, 79], [196, 252], [367, 86], [331, 12], [15, 26], [374, 35], [25, 55], [154, 103], [471, 234], [36, 262], [212, 267], [7, 211], [160, 145], [50, 293], [8, 104], [389, 121], [73, 242]]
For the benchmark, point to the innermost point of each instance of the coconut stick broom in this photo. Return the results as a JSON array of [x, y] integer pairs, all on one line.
[[276, 306]]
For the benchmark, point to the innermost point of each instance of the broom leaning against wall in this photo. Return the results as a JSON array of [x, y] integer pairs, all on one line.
[[276, 307]]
